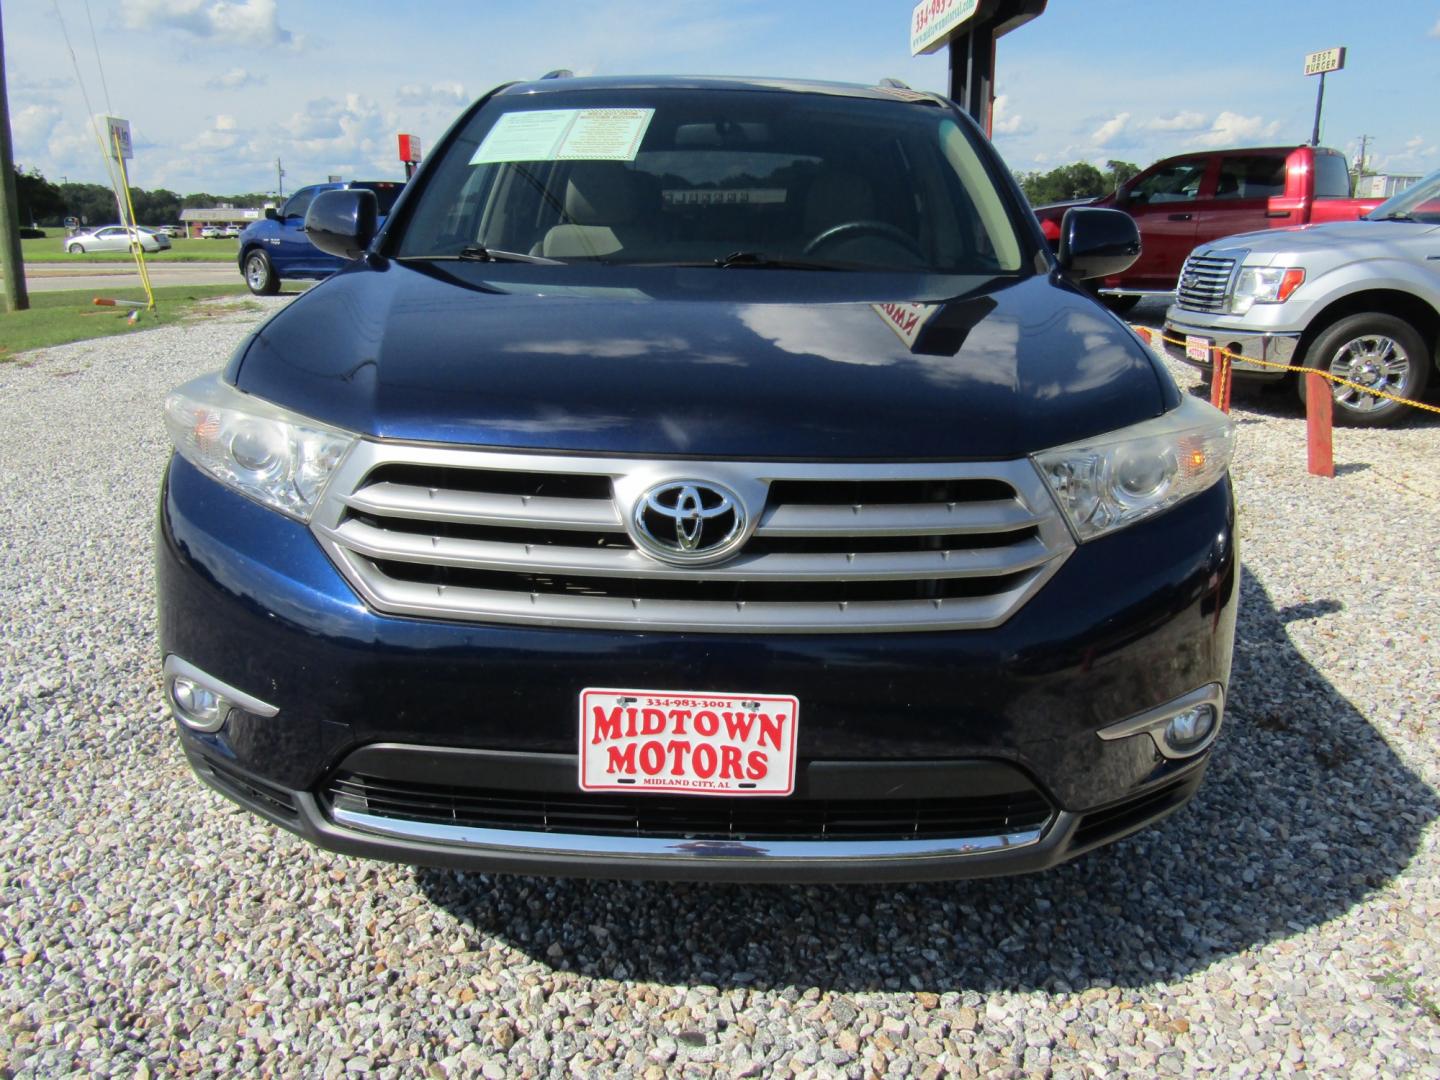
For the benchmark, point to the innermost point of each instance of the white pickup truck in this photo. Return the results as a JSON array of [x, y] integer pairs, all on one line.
[[1360, 299]]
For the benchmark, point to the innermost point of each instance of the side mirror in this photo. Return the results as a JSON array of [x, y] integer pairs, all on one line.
[[342, 222], [1122, 196], [1096, 243], [271, 214]]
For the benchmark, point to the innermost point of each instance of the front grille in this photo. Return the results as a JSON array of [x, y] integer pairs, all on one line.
[[690, 818], [477, 535], [1204, 280]]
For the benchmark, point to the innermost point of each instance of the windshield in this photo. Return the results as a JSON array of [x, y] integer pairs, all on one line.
[[702, 176], [1419, 202]]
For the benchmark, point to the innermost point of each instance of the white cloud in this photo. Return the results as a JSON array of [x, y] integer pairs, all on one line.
[[235, 79], [1435, 30], [1005, 122], [446, 93], [236, 22], [31, 127], [1109, 131], [1232, 129], [350, 137], [1181, 121], [221, 135]]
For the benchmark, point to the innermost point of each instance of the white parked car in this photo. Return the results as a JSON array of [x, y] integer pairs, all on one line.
[[211, 232], [115, 238]]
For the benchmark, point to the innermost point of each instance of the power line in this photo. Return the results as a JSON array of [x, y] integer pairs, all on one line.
[[89, 109], [98, 62]]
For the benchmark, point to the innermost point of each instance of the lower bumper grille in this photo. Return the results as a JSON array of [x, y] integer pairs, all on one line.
[[275, 800], [690, 818]]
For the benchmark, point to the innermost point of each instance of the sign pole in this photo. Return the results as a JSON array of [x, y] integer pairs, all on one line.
[[1319, 63], [969, 30]]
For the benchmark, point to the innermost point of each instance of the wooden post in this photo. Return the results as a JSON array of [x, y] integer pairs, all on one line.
[[1319, 416], [1219, 378], [12, 259]]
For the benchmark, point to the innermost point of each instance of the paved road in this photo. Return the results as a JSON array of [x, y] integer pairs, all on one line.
[[52, 277]]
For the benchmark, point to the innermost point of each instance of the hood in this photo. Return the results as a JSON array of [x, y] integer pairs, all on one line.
[[704, 362], [1362, 239]]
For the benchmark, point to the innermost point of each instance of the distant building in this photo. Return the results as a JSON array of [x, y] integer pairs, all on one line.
[[196, 219], [1383, 185]]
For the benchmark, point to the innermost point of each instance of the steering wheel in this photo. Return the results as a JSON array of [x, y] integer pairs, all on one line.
[[848, 230]]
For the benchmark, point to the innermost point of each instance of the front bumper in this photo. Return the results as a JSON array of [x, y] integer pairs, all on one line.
[[1277, 347], [1126, 624]]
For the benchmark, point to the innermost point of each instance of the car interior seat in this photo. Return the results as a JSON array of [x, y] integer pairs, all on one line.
[[603, 207]]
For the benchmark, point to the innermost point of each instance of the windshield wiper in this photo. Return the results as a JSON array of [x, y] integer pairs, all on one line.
[[758, 260], [481, 253], [1398, 215]]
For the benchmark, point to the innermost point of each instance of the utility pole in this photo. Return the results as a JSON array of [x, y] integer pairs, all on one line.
[[279, 181], [1364, 142], [12, 262]]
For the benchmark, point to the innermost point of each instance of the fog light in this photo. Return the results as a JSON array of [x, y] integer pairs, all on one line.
[[1188, 729], [199, 706], [203, 702]]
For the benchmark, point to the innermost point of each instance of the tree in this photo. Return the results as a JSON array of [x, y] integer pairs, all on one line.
[[93, 204], [1121, 171], [38, 199], [1080, 180]]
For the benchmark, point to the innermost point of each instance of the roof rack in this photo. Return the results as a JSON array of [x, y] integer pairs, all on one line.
[[894, 84], [559, 73]]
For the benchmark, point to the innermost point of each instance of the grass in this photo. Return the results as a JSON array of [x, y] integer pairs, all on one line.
[[1411, 992], [52, 250], [55, 318]]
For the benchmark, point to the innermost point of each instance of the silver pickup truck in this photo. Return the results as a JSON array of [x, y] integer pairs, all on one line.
[[1360, 299]]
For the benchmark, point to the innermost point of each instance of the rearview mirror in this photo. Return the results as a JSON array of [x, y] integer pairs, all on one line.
[[342, 222], [1097, 243]]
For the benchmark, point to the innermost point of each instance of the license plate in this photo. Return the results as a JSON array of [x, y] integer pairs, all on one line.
[[1197, 348], [681, 742]]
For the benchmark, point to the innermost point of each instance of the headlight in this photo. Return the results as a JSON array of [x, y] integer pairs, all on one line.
[[271, 454], [1264, 285], [1108, 482]]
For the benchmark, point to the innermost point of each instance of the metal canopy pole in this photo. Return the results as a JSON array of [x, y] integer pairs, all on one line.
[[972, 53]]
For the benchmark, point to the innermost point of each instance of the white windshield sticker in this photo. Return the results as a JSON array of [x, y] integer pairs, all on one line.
[[565, 135]]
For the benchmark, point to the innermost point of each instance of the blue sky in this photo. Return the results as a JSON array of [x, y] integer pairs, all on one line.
[[217, 89]]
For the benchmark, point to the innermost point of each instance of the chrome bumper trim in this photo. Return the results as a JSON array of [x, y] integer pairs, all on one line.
[[1152, 720], [231, 697], [672, 848], [1278, 348]]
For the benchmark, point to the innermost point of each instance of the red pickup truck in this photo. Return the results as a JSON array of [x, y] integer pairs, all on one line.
[[1188, 200]]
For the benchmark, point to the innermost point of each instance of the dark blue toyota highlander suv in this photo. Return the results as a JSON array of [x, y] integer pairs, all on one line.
[[701, 479]]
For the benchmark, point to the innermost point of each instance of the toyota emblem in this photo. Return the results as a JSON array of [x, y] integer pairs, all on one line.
[[688, 521]]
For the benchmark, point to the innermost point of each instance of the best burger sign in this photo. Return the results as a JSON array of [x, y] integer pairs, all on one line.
[[691, 743]]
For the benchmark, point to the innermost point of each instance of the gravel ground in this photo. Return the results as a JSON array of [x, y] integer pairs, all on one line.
[[1288, 921]]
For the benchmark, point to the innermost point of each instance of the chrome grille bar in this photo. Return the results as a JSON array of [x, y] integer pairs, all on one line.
[[380, 544], [897, 519], [452, 549], [484, 508], [1204, 281]]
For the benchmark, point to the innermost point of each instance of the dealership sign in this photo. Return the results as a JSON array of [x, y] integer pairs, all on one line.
[[409, 148], [117, 137], [932, 22], [1318, 63]]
